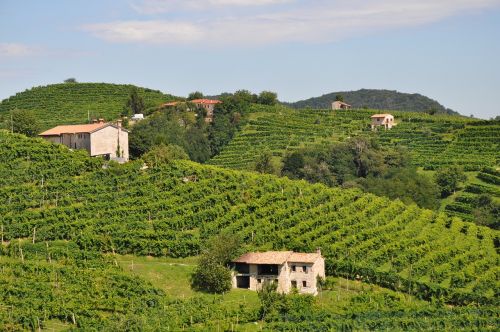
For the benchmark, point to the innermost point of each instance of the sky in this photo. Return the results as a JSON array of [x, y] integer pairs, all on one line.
[[448, 50]]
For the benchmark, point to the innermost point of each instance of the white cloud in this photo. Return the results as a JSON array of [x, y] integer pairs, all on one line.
[[147, 31], [315, 22], [18, 50], [162, 6]]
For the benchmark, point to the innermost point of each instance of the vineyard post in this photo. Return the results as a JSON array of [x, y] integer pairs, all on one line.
[[34, 235], [48, 253], [2, 233]]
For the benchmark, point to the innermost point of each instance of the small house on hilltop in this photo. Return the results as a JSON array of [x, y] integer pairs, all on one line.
[[340, 105], [385, 120], [287, 268], [99, 138]]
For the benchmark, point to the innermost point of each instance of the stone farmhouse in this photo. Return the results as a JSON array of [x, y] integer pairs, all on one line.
[[100, 138], [287, 268], [340, 105], [207, 104], [385, 120]]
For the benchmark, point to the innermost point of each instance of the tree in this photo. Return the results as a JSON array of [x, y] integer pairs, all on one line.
[[268, 98], [24, 122], [164, 154], [293, 164], [264, 163], [339, 97], [448, 179], [70, 80], [195, 95], [134, 104], [212, 273]]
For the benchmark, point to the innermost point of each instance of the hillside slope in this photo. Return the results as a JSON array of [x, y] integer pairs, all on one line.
[[172, 210], [376, 99], [433, 141], [70, 103]]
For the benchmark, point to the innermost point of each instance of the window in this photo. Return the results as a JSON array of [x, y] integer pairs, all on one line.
[[259, 281], [304, 269], [294, 283], [304, 283], [276, 280], [294, 268]]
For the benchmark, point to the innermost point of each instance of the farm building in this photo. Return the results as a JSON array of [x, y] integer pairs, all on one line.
[[340, 105], [137, 117], [385, 120], [99, 138], [207, 104], [289, 269]]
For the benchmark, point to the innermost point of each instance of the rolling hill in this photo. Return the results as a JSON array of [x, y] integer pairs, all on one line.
[[376, 99], [70, 103], [433, 140], [172, 210]]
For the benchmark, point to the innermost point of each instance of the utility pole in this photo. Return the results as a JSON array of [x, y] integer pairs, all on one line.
[[11, 124]]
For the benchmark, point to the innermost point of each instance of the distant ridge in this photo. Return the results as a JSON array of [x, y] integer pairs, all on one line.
[[376, 99]]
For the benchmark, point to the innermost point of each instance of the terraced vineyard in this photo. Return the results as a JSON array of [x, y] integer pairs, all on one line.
[[433, 140], [487, 182], [440, 143], [172, 210], [72, 103]]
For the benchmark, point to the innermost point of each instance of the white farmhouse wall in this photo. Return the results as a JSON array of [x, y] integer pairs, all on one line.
[[106, 141]]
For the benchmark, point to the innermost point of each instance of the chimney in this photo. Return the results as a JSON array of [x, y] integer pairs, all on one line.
[[119, 123], [101, 120], [318, 251], [94, 120]]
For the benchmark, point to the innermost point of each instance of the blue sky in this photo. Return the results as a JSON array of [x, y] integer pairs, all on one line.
[[448, 50]]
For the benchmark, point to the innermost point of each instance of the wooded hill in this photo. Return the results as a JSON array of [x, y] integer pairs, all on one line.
[[72, 103], [376, 99]]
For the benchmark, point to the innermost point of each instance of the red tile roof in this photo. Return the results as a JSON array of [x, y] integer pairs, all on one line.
[[74, 129], [299, 257], [205, 101], [277, 257]]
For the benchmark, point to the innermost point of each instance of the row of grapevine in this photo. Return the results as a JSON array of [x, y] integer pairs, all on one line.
[[434, 141], [172, 210], [72, 103]]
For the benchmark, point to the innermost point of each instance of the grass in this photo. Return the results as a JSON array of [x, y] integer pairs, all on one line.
[[172, 275]]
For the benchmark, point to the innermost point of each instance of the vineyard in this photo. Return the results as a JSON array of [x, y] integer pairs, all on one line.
[[55, 284], [434, 141], [171, 211], [72, 103], [486, 182]]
